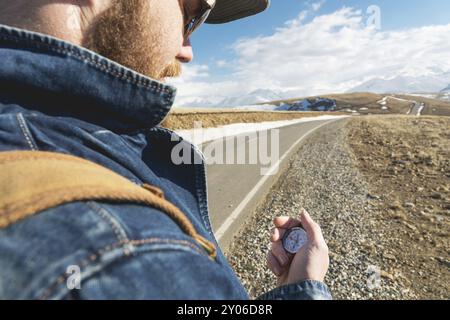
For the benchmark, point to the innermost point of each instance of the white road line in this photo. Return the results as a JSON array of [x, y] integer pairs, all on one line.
[[235, 214], [419, 112]]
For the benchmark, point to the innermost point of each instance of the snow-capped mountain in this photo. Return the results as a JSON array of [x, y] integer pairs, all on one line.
[[195, 102], [257, 96], [401, 84], [247, 100], [446, 89], [445, 94]]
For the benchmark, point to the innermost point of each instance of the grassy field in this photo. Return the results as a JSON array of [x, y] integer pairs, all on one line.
[[185, 119], [360, 103]]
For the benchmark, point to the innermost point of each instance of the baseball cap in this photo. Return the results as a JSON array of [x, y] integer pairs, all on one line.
[[229, 10]]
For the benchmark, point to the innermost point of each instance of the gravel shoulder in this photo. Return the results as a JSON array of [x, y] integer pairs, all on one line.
[[326, 177]]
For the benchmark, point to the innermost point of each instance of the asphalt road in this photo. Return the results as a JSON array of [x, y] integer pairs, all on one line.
[[235, 190], [416, 109]]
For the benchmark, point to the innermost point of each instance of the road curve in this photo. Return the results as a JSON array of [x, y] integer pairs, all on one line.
[[416, 109], [235, 190]]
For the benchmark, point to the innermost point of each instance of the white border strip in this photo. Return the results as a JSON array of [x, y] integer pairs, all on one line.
[[235, 214]]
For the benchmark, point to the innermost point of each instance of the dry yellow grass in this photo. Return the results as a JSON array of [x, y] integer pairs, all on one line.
[[185, 119]]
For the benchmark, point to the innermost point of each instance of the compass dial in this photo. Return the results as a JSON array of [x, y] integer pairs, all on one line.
[[294, 239]]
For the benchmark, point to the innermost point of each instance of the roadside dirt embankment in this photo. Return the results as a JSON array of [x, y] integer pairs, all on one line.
[[379, 187]]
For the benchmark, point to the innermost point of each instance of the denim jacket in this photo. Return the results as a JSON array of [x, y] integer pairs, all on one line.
[[58, 97]]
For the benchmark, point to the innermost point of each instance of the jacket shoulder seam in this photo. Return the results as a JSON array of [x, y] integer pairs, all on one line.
[[105, 215], [26, 132]]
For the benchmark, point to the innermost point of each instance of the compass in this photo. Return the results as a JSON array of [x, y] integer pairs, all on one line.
[[294, 239]]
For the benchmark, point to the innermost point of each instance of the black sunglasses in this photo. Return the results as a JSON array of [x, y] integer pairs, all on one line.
[[194, 23]]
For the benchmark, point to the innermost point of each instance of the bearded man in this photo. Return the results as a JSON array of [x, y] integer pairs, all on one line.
[[91, 205]]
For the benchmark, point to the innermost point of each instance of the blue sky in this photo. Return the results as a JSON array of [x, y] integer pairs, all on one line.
[[212, 42], [223, 52]]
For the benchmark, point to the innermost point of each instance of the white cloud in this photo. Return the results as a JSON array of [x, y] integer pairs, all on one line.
[[195, 87], [194, 72], [317, 5], [330, 53], [222, 63]]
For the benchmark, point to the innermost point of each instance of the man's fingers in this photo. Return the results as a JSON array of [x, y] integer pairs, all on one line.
[[273, 264], [279, 253], [312, 229], [277, 234], [286, 222]]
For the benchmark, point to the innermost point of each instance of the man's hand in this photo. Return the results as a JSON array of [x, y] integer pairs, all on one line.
[[310, 263]]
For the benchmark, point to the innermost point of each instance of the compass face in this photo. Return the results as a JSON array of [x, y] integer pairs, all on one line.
[[294, 239]]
